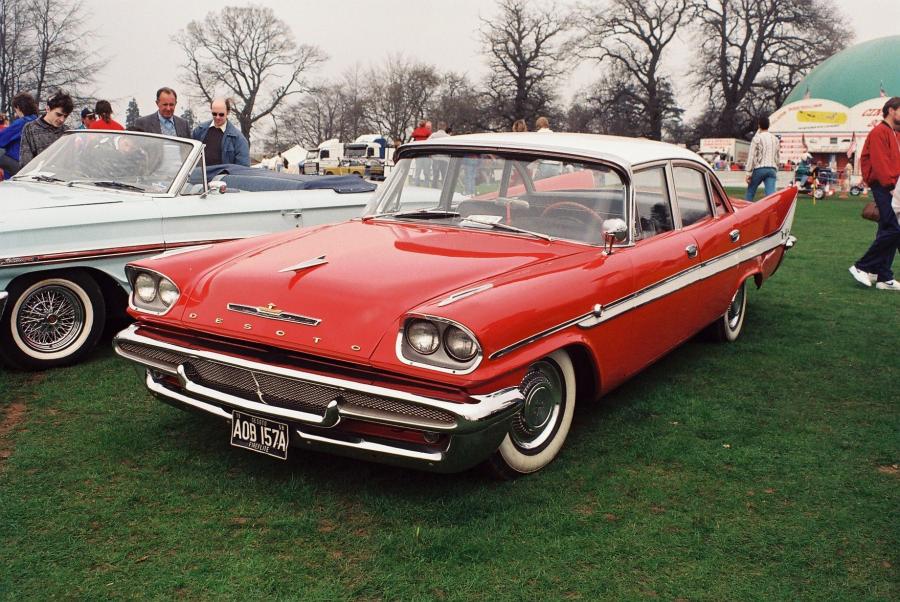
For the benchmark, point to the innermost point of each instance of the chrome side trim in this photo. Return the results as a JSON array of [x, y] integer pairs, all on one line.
[[667, 286], [376, 448], [463, 294], [485, 410]]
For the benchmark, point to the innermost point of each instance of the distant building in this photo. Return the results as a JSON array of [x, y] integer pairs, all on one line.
[[832, 109]]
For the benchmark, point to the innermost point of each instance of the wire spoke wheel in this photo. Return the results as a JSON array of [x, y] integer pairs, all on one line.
[[50, 318]]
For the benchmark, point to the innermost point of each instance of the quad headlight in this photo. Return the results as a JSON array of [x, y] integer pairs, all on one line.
[[439, 344], [153, 292]]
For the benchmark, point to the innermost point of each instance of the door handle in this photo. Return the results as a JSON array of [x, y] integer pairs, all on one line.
[[734, 235], [691, 251], [297, 213]]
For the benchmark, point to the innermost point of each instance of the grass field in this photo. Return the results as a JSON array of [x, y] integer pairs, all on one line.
[[765, 469]]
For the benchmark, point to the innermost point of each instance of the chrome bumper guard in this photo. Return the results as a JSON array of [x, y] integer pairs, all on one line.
[[790, 242], [475, 429]]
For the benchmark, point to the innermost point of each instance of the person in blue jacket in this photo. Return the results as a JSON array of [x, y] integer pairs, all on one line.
[[25, 109], [224, 142]]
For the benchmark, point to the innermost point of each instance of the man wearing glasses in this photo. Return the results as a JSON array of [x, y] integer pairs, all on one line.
[[224, 142]]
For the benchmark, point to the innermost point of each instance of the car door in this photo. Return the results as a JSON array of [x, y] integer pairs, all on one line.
[[665, 259], [708, 219]]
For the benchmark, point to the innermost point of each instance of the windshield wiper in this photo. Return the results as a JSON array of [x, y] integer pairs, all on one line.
[[109, 184], [417, 214], [40, 178], [505, 227]]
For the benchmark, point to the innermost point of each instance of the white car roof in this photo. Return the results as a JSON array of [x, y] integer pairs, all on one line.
[[630, 151]]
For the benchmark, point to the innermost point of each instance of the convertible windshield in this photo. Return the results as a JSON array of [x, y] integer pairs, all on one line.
[[529, 195], [122, 160]]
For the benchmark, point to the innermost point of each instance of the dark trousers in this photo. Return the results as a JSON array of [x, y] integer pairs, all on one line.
[[880, 256], [9, 166]]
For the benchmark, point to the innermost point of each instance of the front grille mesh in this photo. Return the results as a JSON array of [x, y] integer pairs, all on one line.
[[298, 395], [153, 354]]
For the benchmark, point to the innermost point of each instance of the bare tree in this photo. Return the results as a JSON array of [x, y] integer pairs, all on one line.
[[313, 118], [400, 92], [753, 49], [459, 104], [243, 50], [525, 53], [631, 36], [42, 48]]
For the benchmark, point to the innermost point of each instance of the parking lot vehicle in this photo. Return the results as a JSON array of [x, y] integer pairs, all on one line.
[[460, 322], [73, 217]]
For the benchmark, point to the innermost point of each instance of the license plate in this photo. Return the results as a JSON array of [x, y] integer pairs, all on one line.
[[261, 435]]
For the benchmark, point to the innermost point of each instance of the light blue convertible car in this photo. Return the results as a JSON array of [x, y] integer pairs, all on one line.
[[95, 200]]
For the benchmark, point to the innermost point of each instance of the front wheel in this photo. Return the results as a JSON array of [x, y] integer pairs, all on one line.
[[728, 328], [538, 432], [51, 320]]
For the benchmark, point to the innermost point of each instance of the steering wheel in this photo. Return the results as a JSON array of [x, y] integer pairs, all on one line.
[[569, 206]]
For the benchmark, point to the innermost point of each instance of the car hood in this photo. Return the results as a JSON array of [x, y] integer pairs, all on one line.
[[372, 273], [27, 196]]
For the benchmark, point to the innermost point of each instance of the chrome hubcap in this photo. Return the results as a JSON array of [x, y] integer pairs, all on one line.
[[736, 308], [50, 318], [543, 392]]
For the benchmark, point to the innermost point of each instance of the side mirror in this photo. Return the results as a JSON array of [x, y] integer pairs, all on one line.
[[614, 230], [217, 187]]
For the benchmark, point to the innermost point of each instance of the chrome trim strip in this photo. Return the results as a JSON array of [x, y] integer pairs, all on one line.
[[470, 417], [161, 391], [463, 294], [377, 448], [284, 316], [309, 263], [667, 286], [179, 251]]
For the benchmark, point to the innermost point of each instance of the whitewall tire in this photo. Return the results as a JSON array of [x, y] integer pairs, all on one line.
[[538, 432], [728, 328]]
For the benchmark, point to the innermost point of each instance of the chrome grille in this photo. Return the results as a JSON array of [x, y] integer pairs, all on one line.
[[294, 394], [153, 354]]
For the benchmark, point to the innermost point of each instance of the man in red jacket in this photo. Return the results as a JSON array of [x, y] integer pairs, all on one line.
[[880, 163]]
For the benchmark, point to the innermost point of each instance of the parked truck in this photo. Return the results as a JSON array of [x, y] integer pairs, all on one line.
[[371, 151], [326, 156], [725, 151]]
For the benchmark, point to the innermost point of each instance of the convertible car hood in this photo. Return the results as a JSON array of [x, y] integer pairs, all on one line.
[[371, 275], [25, 196]]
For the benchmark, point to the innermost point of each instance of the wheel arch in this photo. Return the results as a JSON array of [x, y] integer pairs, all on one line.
[[115, 297], [587, 372]]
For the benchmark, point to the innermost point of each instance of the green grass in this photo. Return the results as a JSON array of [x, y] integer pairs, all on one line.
[[764, 469]]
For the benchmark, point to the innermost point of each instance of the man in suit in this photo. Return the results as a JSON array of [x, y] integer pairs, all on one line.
[[164, 121]]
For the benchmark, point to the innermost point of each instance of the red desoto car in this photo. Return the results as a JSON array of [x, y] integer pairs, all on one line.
[[494, 280]]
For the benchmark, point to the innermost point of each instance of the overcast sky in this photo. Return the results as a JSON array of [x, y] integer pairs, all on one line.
[[135, 37]]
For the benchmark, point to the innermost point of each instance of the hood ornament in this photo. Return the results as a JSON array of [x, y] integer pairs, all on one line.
[[309, 263], [272, 312]]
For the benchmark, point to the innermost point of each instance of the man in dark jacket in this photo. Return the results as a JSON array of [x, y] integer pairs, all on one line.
[[164, 121], [880, 163], [25, 110], [224, 142], [41, 133]]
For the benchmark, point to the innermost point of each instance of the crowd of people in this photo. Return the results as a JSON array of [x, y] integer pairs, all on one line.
[[29, 134]]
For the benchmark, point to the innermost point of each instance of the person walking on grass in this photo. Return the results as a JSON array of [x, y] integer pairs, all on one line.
[[762, 160], [880, 165]]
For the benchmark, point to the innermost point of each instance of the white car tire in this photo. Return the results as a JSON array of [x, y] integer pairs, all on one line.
[[728, 327], [538, 432], [51, 320]]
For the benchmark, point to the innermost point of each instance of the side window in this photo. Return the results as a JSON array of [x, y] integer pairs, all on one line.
[[718, 201], [690, 187], [651, 197]]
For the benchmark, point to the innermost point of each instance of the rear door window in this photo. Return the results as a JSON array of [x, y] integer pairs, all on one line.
[[651, 196], [692, 196]]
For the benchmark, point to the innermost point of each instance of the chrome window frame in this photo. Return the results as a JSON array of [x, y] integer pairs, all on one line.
[[709, 206]]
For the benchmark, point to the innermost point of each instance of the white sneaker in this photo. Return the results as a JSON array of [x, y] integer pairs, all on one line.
[[864, 278], [890, 285]]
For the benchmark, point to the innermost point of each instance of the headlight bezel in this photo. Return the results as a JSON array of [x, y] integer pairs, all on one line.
[[439, 360], [157, 306]]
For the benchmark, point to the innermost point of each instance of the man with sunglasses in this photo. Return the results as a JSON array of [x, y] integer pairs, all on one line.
[[224, 142]]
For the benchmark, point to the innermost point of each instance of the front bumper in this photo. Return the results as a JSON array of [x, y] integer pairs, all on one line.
[[316, 406]]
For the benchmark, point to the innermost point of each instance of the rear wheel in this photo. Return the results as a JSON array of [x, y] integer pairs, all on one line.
[[538, 432], [728, 328], [51, 320]]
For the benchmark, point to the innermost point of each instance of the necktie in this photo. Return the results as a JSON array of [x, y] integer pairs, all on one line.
[[168, 127]]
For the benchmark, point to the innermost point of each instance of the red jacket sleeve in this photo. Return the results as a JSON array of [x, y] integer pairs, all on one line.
[[880, 158]]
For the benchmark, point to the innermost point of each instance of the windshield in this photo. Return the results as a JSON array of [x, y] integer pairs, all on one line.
[[312, 154], [352, 152], [551, 197], [142, 163]]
